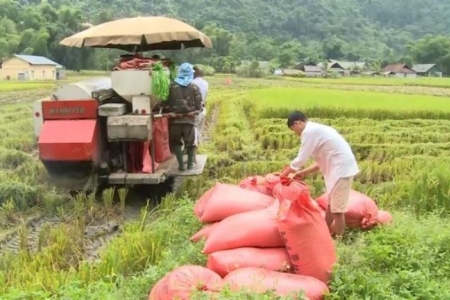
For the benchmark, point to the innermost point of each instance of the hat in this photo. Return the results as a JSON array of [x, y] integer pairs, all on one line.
[[185, 74]]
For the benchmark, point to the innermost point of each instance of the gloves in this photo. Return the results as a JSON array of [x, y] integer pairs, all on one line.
[[170, 115], [175, 115]]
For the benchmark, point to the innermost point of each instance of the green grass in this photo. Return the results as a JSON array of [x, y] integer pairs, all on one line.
[[422, 81], [90, 73], [9, 86], [277, 102], [310, 97], [408, 260]]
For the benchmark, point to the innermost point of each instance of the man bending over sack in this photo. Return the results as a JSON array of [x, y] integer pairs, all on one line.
[[183, 103], [333, 157]]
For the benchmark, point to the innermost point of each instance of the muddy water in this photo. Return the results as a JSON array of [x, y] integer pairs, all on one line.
[[97, 234]]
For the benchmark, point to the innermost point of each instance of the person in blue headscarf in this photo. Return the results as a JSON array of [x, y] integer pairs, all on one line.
[[184, 101]]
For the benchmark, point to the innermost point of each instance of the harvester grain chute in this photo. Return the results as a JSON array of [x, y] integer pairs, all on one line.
[[106, 130]]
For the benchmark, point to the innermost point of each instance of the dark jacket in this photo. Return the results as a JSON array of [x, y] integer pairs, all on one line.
[[183, 100]]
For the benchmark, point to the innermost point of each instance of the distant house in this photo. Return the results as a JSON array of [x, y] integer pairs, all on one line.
[[301, 65], [399, 70], [338, 70], [427, 70], [30, 67], [291, 72], [313, 71], [309, 69], [346, 65]]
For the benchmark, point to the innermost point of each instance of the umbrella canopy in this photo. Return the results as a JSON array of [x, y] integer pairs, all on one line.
[[140, 34]]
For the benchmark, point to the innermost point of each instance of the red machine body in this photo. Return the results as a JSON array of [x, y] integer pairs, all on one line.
[[70, 109], [70, 131]]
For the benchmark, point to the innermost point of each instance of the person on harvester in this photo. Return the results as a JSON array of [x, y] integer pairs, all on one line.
[[200, 118], [183, 103], [333, 157], [203, 86]]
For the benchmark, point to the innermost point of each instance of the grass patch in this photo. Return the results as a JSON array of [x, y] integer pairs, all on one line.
[[8, 86], [277, 103], [405, 261], [422, 81]]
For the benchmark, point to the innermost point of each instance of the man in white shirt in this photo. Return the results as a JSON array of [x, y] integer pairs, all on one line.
[[333, 157], [203, 86]]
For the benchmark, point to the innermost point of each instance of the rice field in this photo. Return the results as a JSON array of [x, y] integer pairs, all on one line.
[[383, 81], [6, 86], [332, 103], [54, 246]]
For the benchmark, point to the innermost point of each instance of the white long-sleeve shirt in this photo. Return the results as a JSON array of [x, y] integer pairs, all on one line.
[[203, 86], [329, 149]]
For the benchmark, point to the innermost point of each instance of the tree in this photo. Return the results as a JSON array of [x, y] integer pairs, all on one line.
[[288, 54], [333, 48], [432, 49], [220, 38]]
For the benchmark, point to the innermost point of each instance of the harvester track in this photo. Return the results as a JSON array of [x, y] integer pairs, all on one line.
[[95, 235]]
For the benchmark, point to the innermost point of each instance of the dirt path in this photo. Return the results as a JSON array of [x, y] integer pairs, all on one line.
[[210, 124]]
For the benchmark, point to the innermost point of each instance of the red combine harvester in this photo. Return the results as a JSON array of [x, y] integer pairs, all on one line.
[[108, 130]]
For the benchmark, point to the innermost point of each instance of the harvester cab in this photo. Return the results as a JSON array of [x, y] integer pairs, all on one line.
[[106, 130]]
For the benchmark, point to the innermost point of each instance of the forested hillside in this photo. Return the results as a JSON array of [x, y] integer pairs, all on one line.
[[283, 31]]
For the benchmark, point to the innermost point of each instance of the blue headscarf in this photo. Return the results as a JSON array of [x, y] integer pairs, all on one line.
[[185, 74]]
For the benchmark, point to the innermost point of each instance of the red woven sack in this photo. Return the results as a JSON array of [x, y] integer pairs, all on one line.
[[157, 290], [225, 200], [223, 262], [264, 185], [259, 280], [147, 160], [254, 183], [249, 229], [305, 232], [182, 282], [362, 211], [384, 217], [203, 233], [271, 180], [161, 139]]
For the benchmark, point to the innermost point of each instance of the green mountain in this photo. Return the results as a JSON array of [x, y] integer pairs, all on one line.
[[286, 31]]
